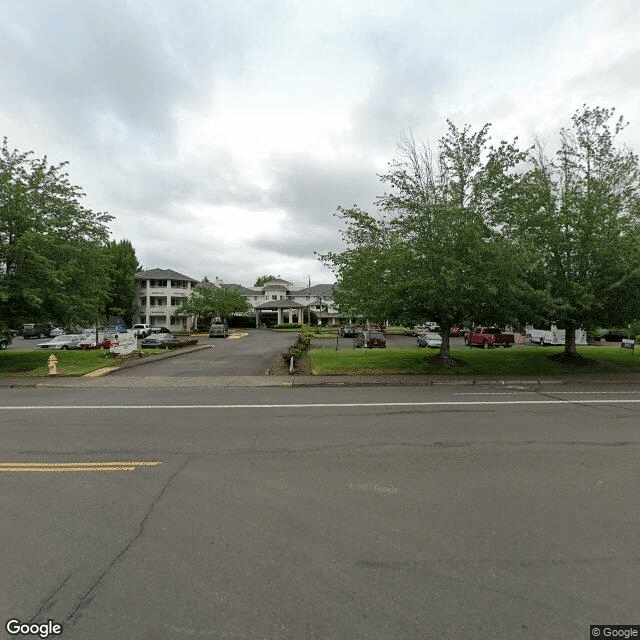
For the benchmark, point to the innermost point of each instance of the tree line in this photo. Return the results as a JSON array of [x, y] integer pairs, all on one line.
[[471, 232], [57, 264]]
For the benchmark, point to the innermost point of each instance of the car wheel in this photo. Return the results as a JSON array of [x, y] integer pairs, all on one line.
[[542, 342], [4, 344], [485, 345], [64, 347]]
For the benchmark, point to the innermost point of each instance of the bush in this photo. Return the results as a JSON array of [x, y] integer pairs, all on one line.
[[289, 326], [297, 349], [241, 322]]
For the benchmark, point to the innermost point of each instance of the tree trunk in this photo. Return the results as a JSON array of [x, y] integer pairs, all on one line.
[[444, 350], [570, 341]]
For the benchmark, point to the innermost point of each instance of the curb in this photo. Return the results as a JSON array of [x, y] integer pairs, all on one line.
[[105, 371]]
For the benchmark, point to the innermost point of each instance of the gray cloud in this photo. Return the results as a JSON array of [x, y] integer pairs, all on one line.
[[128, 64], [309, 191], [105, 84]]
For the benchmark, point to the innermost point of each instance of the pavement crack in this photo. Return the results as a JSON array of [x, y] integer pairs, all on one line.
[[49, 600], [88, 595]]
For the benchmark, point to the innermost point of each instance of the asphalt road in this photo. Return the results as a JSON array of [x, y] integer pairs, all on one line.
[[366, 513]]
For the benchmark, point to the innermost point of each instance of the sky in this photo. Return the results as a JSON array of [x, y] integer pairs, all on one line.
[[223, 135]]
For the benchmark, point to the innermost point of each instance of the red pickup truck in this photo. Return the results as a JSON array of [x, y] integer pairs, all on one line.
[[489, 337]]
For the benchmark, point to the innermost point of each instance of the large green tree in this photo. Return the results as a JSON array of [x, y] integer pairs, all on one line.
[[262, 280], [122, 285], [432, 252], [53, 262], [581, 210], [211, 301]]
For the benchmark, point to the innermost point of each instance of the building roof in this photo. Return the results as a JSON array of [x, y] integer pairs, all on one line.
[[280, 304], [231, 287], [162, 274], [324, 290], [277, 282]]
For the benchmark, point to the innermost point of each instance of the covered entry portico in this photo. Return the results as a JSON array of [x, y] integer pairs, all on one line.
[[283, 308]]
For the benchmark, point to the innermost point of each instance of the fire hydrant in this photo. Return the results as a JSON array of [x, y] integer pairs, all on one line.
[[53, 365]]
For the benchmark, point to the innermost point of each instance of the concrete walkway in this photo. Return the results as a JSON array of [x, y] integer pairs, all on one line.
[[167, 382]]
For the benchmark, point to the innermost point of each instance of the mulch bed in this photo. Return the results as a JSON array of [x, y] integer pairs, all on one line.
[[574, 360], [446, 361]]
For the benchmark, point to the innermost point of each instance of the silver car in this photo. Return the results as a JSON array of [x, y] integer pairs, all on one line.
[[430, 340], [64, 342]]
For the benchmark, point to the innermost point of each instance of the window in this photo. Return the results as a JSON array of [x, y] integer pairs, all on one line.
[[176, 302], [274, 297]]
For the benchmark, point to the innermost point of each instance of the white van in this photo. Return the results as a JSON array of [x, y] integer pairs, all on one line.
[[552, 336]]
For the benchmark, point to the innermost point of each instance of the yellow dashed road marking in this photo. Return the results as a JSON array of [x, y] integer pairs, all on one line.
[[59, 467]]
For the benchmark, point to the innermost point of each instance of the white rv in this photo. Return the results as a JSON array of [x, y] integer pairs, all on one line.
[[552, 336]]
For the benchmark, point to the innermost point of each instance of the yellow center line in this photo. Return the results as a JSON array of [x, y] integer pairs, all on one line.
[[61, 469], [48, 467], [78, 464]]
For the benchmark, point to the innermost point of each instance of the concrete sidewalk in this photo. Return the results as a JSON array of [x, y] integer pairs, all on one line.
[[168, 382]]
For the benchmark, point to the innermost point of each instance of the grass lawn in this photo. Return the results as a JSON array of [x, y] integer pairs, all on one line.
[[33, 362], [534, 361]]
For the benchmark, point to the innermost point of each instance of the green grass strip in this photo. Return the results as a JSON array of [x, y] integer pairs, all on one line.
[[532, 361]]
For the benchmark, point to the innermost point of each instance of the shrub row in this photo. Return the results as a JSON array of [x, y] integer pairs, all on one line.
[[297, 349]]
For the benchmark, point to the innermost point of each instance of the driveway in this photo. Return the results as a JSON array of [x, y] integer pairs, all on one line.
[[248, 352]]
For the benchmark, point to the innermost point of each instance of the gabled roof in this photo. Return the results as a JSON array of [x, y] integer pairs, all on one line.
[[277, 283], [324, 290], [243, 290], [162, 274], [280, 304]]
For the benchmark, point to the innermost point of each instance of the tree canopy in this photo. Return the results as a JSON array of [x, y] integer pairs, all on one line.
[[208, 302], [53, 259], [431, 251], [495, 235], [121, 300], [262, 280], [581, 210]]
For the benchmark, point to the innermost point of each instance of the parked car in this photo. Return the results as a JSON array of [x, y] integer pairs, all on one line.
[[348, 332], [487, 337], [416, 331], [32, 330], [89, 342], [159, 341], [370, 340], [58, 331], [141, 330], [5, 338], [218, 331], [155, 330], [456, 331], [64, 342], [430, 340]]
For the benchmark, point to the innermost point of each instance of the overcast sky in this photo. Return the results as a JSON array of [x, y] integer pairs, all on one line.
[[223, 135]]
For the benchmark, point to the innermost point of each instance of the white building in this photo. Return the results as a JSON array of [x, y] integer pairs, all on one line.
[[279, 302], [159, 293]]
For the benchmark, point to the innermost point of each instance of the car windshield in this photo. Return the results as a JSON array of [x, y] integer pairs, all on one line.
[[375, 335]]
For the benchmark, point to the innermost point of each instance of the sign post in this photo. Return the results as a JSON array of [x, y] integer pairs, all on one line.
[[124, 343], [628, 343]]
